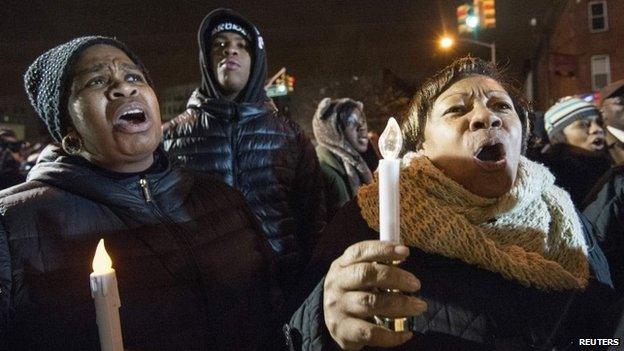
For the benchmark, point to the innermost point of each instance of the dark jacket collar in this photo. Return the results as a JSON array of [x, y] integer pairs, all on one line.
[[78, 176], [228, 110]]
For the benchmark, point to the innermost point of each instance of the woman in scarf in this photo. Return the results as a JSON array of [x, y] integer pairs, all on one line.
[[495, 250], [192, 268], [341, 133]]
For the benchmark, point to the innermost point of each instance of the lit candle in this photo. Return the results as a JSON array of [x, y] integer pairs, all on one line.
[[107, 303], [390, 143]]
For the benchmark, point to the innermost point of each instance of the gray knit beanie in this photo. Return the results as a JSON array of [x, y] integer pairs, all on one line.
[[566, 111], [48, 80]]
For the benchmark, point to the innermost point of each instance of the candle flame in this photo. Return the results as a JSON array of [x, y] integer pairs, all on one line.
[[101, 261], [391, 140]]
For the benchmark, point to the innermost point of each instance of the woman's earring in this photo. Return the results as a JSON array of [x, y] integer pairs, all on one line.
[[72, 145]]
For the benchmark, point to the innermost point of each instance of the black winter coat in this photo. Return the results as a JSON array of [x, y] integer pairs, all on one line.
[[192, 265], [468, 308], [249, 145], [575, 169], [606, 212]]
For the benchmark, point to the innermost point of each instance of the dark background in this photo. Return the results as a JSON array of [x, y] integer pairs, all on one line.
[[331, 47]]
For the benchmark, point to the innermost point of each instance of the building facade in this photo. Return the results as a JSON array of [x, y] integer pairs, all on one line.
[[581, 52]]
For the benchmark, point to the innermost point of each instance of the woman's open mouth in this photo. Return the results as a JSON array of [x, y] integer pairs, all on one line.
[[598, 143], [132, 119], [491, 157]]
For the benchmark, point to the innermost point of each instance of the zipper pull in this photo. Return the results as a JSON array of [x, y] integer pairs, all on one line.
[[146, 191]]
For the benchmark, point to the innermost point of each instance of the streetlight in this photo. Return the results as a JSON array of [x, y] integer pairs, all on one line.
[[446, 42]]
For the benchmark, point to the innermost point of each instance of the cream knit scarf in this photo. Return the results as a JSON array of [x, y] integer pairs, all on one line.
[[532, 234]]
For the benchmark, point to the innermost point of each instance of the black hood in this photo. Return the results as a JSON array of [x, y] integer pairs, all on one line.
[[254, 90]]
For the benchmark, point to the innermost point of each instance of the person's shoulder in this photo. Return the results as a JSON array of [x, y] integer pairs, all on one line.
[[613, 175], [185, 120], [608, 187], [30, 195], [282, 122], [328, 160]]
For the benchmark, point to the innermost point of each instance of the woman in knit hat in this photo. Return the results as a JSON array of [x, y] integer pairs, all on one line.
[[341, 133], [192, 268], [495, 250], [576, 154]]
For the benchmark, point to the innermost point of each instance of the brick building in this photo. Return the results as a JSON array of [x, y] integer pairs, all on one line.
[[582, 50]]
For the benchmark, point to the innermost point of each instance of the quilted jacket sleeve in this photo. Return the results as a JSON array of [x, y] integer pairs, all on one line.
[[306, 330]]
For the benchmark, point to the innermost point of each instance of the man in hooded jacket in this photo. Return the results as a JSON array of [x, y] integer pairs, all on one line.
[[231, 129]]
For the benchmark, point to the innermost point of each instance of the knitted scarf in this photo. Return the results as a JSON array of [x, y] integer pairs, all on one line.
[[531, 234]]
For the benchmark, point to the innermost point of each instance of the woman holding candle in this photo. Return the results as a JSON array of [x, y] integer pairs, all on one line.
[[496, 252], [192, 268]]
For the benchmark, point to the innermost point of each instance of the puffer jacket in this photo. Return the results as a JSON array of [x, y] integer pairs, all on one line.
[[192, 265], [469, 308], [250, 146]]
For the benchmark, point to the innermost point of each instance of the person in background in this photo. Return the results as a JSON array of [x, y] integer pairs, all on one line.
[[576, 154], [341, 132], [193, 267], [612, 108], [495, 250], [233, 131], [10, 159]]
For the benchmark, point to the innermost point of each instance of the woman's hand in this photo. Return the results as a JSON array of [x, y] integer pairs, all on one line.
[[351, 295]]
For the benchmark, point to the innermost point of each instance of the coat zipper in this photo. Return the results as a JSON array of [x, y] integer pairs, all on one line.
[[147, 194], [179, 233]]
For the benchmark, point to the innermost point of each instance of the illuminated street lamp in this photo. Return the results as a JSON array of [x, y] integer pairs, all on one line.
[[446, 42]]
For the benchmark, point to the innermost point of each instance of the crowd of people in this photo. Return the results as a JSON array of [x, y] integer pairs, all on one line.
[[230, 230]]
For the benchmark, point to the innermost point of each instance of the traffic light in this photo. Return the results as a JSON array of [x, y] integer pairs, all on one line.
[[487, 13], [290, 83], [283, 84], [481, 14], [464, 16]]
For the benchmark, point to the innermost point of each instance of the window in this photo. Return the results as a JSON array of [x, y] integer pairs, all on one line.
[[598, 19], [600, 71]]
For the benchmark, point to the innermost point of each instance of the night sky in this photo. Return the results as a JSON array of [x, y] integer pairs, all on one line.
[[313, 39]]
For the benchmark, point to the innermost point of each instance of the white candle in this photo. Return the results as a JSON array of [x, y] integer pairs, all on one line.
[[106, 296], [390, 143]]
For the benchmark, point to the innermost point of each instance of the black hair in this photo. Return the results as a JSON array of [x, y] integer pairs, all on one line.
[[425, 97]]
